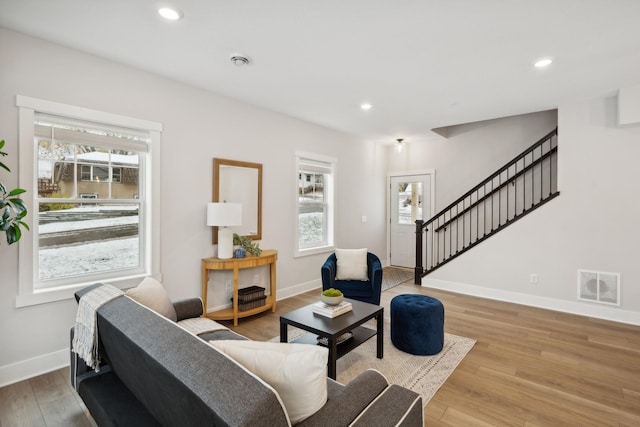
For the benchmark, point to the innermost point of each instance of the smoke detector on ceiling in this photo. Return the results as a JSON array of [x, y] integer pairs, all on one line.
[[240, 60]]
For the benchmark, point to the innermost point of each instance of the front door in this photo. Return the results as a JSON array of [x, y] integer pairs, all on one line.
[[410, 200]]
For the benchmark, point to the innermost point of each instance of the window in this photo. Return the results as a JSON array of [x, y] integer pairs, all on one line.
[[100, 173], [79, 154], [315, 203]]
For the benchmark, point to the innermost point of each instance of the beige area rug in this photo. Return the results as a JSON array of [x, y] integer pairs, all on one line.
[[393, 276], [422, 374]]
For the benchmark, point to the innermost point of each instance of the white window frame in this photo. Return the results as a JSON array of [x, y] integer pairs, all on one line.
[[330, 186], [111, 172], [28, 291]]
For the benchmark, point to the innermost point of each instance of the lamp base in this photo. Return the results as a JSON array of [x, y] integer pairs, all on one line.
[[225, 243]]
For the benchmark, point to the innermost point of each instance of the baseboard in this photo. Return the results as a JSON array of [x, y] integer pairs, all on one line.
[[579, 308], [299, 289], [30, 368]]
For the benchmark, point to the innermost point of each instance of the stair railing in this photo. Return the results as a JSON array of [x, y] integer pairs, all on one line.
[[516, 189]]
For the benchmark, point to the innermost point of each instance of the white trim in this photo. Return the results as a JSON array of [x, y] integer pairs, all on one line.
[[87, 114], [25, 369], [330, 193], [419, 172], [579, 308], [28, 292], [300, 288], [60, 293]]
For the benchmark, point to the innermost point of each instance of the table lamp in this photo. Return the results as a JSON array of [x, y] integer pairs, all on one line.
[[223, 215]]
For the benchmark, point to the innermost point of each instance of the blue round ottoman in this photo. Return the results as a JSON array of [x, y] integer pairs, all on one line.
[[417, 324]]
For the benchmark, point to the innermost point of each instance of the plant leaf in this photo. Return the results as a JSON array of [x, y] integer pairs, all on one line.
[[17, 191]]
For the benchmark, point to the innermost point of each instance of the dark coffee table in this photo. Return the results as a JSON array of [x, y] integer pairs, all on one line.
[[332, 328]]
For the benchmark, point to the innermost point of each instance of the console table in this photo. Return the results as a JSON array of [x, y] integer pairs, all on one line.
[[267, 257]]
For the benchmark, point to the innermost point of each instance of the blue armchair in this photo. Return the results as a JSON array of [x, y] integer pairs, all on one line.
[[366, 291]]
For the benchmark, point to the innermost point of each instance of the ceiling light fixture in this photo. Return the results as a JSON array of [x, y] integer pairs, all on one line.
[[542, 63], [400, 144], [240, 60], [366, 106], [170, 14]]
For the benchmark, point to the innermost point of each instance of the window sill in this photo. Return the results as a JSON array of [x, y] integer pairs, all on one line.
[[314, 251], [61, 293]]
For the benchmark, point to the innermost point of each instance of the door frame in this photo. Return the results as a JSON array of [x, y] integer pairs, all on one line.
[[390, 175]]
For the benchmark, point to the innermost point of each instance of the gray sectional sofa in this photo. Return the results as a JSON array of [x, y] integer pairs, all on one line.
[[156, 373]]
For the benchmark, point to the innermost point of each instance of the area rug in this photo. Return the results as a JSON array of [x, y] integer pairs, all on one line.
[[422, 374], [393, 276]]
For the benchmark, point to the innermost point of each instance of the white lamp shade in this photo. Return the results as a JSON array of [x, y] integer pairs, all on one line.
[[224, 214]]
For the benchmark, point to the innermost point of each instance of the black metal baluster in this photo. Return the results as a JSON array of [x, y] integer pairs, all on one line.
[[551, 168], [541, 174], [533, 176], [450, 233], [484, 209], [500, 200], [477, 214], [515, 191], [437, 248], [464, 222], [493, 195]]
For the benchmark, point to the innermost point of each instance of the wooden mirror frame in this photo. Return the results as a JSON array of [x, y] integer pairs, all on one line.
[[217, 163]]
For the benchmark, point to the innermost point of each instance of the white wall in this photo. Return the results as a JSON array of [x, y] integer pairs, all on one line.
[[197, 127], [591, 225], [471, 152]]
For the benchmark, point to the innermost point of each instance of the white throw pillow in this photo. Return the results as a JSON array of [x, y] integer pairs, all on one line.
[[352, 264], [152, 294], [298, 372]]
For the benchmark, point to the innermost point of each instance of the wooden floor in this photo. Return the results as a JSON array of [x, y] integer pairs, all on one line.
[[529, 367]]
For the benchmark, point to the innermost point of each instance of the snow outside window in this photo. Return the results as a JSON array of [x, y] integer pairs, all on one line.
[[315, 204], [72, 157]]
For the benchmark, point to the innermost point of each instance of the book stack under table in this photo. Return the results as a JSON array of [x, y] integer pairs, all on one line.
[[331, 310]]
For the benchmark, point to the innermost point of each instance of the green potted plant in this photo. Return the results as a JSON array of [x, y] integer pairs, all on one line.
[[247, 244], [12, 208]]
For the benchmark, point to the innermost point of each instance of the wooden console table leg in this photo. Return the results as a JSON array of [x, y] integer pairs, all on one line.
[[235, 296], [205, 289], [272, 285]]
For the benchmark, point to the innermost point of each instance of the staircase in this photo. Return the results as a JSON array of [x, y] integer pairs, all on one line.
[[513, 191]]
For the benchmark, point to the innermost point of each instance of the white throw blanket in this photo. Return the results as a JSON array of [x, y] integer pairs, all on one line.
[[200, 325], [85, 337]]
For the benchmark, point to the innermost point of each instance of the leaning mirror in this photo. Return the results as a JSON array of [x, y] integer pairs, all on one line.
[[240, 182]]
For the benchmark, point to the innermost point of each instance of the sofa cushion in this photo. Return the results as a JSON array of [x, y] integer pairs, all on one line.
[[180, 379], [288, 368], [152, 294], [352, 264]]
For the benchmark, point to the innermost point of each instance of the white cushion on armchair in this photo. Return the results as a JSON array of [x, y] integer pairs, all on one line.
[[351, 264]]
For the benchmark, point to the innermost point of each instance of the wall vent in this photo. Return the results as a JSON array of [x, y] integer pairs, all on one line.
[[599, 286]]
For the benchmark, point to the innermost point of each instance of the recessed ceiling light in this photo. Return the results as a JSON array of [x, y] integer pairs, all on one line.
[[240, 60], [366, 106], [542, 63], [170, 14]]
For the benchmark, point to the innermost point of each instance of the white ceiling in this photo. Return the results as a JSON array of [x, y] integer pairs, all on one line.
[[423, 64]]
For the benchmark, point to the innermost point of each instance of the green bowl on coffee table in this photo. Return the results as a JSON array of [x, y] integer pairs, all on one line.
[[331, 296]]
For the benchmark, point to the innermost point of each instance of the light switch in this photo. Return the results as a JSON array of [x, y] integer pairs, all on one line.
[[364, 218]]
